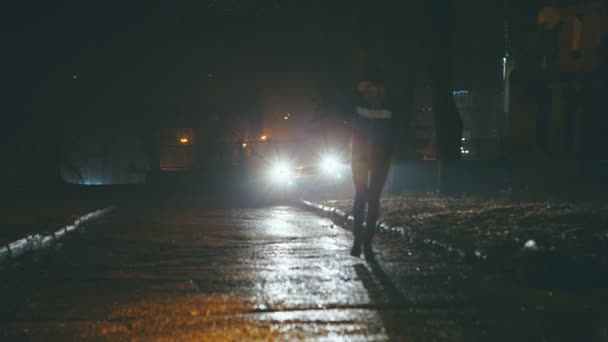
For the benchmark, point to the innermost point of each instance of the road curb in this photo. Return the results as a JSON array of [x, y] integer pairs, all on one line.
[[36, 242], [405, 233]]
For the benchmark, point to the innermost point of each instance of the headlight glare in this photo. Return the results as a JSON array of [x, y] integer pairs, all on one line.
[[331, 164], [280, 172]]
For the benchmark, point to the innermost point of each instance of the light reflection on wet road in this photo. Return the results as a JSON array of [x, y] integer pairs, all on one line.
[[182, 272]]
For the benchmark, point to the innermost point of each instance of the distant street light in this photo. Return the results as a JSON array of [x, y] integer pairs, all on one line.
[[184, 140], [264, 138], [244, 145], [548, 18]]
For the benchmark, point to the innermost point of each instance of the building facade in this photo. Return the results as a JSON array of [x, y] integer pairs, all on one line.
[[558, 82]]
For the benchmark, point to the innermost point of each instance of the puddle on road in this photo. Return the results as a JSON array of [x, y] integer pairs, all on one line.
[[214, 317]]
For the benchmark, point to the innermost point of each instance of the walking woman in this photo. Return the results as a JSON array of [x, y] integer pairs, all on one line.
[[373, 132]]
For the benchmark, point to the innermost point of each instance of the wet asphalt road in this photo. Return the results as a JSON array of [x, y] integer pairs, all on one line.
[[184, 271]]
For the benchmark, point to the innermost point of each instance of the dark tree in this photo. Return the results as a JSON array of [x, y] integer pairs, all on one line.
[[412, 43], [448, 125]]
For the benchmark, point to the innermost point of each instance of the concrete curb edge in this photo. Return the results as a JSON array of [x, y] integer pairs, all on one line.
[[36, 242], [405, 233]]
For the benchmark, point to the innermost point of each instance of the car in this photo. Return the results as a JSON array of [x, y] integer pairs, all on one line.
[[309, 173]]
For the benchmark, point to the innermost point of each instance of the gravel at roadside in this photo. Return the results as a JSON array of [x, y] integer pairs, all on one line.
[[561, 237]]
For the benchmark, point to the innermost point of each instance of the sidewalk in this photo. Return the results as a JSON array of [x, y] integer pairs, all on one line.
[[545, 236]]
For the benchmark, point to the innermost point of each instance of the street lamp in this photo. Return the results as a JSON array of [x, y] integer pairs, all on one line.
[[548, 18]]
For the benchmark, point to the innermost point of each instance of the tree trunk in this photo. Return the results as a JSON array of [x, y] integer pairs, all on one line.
[[448, 124]]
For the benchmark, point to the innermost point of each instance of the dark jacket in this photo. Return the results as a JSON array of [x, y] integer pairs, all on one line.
[[374, 129]]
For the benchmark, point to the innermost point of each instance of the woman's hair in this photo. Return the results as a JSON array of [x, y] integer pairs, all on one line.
[[372, 75]]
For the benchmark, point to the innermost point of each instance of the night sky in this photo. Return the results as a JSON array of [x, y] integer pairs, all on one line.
[[82, 64]]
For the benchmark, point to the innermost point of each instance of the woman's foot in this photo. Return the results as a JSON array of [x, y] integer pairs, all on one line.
[[368, 252], [356, 250]]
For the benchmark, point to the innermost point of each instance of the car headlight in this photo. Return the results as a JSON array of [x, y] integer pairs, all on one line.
[[331, 165], [280, 172]]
